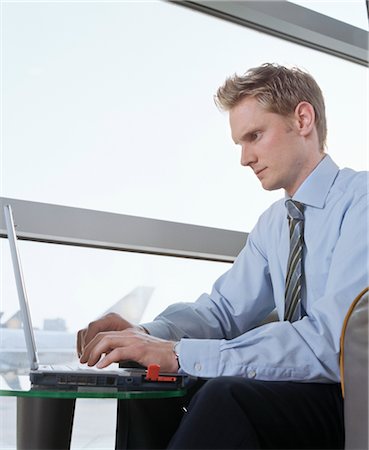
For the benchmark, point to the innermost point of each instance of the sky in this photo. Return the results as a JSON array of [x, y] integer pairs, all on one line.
[[109, 106]]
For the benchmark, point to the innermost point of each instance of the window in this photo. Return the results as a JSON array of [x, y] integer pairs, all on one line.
[[109, 106], [74, 285]]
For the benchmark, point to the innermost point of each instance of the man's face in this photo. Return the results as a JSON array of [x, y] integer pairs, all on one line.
[[272, 146]]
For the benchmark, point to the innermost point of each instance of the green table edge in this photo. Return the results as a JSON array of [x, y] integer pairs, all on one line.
[[120, 395]]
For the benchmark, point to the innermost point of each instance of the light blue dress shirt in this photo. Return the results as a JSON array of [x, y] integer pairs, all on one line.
[[217, 334]]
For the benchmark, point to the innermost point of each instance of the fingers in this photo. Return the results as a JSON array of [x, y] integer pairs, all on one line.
[[105, 343], [93, 329], [87, 334], [110, 322], [80, 342], [116, 355], [131, 344]]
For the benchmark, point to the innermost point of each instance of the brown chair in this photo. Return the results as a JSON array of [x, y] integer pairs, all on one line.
[[354, 372]]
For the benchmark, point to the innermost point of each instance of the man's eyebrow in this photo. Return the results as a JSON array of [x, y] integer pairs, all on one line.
[[247, 135]]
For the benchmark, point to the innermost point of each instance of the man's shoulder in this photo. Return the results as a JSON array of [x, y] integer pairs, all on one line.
[[352, 182], [273, 214], [268, 227]]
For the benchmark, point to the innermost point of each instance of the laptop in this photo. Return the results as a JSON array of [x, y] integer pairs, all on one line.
[[82, 378]]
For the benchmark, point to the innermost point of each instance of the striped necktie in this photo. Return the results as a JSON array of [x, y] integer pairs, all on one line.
[[294, 269]]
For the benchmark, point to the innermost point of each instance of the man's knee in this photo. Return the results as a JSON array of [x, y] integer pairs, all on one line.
[[221, 389]]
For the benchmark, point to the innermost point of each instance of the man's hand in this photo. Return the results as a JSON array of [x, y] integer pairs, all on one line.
[[130, 344], [110, 322]]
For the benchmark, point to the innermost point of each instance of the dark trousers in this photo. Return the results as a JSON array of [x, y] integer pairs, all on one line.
[[237, 413]]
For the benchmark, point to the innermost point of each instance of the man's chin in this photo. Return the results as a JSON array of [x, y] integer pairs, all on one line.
[[268, 186]]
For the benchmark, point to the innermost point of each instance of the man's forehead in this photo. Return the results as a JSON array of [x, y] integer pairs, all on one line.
[[246, 117], [247, 109]]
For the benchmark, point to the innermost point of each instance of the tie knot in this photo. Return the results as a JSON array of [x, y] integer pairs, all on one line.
[[295, 209]]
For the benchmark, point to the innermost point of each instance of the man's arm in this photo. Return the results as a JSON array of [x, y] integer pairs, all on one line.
[[236, 303], [240, 299], [305, 350], [215, 328]]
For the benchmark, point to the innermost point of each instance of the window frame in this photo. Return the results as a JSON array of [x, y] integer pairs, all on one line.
[[291, 22], [48, 223]]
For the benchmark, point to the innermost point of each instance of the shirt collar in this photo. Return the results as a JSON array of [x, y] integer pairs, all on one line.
[[314, 190]]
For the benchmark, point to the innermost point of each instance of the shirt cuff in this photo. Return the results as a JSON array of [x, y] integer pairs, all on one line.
[[199, 357]]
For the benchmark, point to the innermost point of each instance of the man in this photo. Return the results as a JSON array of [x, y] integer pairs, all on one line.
[[275, 385]]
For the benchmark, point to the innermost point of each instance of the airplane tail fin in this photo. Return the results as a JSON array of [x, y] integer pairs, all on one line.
[[133, 305], [15, 321]]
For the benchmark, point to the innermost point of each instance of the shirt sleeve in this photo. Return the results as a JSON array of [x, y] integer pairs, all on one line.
[[235, 304], [216, 332]]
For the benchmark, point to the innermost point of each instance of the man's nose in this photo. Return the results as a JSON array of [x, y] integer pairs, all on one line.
[[246, 156]]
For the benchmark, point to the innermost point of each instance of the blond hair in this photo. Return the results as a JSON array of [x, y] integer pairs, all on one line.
[[278, 89]]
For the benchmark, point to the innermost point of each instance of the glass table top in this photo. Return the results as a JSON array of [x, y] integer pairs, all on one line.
[[22, 388]]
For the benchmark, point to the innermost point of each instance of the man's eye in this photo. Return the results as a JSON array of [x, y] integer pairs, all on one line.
[[255, 136]]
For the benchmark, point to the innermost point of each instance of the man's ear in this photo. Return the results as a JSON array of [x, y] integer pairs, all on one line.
[[305, 118]]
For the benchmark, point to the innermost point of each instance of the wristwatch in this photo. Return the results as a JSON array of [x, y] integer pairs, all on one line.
[[175, 351]]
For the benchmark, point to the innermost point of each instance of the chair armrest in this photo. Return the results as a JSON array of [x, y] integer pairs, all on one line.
[[354, 372]]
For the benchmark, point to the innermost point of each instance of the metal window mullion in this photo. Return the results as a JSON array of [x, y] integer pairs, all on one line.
[[67, 225], [291, 22]]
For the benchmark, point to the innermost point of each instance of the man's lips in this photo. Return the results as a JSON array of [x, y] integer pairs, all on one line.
[[259, 171]]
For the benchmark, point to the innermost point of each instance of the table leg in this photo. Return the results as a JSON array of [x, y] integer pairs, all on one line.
[[147, 423], [44, 423]]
